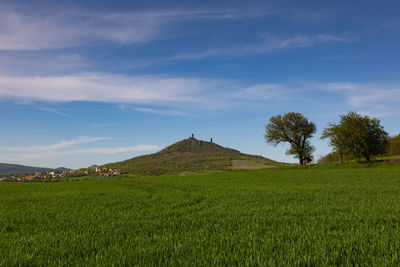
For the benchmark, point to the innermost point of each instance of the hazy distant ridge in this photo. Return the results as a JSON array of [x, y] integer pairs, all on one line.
[[6, 168]]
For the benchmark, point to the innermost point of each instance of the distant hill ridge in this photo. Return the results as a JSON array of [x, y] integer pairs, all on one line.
[[6, 168], [188, 155]]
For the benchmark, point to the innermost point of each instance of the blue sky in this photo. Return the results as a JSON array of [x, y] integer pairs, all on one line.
[[92, 82]]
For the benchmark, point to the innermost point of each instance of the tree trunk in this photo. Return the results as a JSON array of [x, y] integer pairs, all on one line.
[[301, 161], [341, 157]]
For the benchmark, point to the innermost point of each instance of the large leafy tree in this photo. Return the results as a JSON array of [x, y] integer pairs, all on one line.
[[294, 129], [358, 135]]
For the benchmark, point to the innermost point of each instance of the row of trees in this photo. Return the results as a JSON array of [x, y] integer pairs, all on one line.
[[334, 156], [356, 135]]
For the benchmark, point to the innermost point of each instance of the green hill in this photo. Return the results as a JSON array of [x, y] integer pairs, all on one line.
[[189, 155]]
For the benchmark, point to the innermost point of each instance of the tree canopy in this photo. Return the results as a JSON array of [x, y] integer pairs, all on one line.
[[357, 135], [294, 129], [337, 137]]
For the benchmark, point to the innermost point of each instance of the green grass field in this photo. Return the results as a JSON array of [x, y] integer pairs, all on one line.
[[280, 216]]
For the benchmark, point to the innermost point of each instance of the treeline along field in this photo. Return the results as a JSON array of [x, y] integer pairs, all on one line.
[[282, 216]]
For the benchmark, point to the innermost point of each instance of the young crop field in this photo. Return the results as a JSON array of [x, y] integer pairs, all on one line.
[[278, 216]]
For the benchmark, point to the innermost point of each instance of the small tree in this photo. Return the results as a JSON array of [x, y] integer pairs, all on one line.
[[337, 138], [294, 129], [358, 135]]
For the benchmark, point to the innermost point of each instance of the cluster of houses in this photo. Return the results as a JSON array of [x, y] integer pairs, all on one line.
[[104, 172]]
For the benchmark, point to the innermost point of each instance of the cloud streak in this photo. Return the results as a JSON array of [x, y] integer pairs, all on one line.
[[60, 145], [51, 110], [365, 94], [113, 150], [176, 96], [68, 28], [263, 91], [101, 88], [269, 43], [35, 63], [168, 112], [63, 148]]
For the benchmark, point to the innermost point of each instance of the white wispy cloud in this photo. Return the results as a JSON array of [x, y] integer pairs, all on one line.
[[268, 43], [159, 95], [172, 95], [342, 58], [33, 155], [20, 31], [50, 29], [101, 88], [366, 94], [101, 125], [379, 111], [62, 144], [307, 15], [176, 96], [35, 63], [66, 147], [113, 150], [273, 42], [168, 112], [263, 91], [66, 28], [377, 99], [55, 111]]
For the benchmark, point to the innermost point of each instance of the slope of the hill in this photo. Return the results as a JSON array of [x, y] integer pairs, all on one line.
[[189, 155]]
